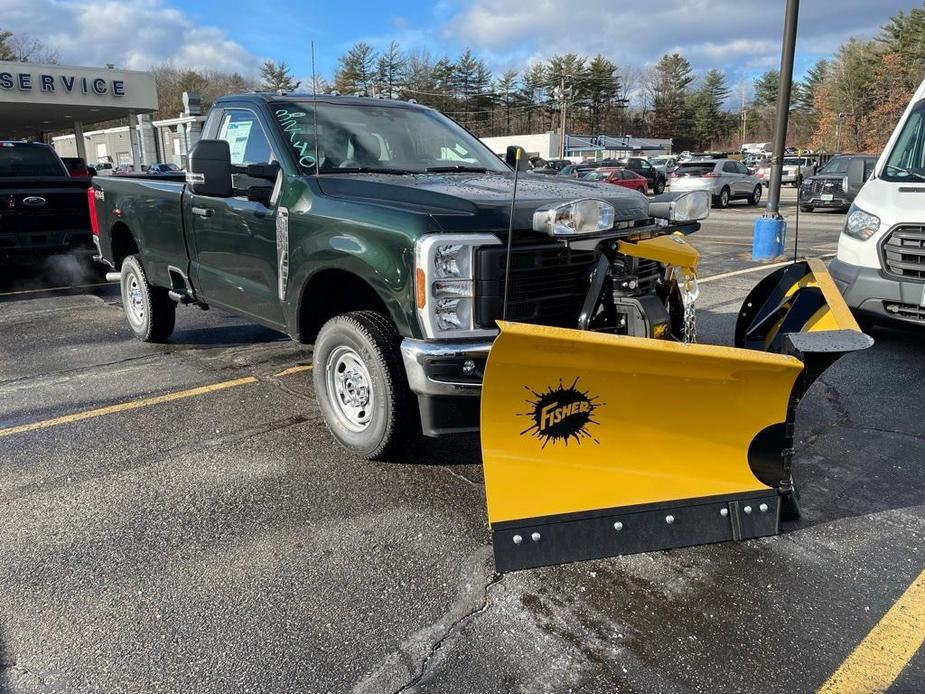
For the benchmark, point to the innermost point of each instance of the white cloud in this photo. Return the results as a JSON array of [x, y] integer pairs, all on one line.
[[132, 34], [732, 34]]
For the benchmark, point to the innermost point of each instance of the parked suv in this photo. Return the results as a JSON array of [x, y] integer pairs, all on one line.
[[725, 179], [829, 188]]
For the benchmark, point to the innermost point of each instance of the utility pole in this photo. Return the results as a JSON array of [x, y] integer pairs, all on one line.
[[563, 95], [744, 116]]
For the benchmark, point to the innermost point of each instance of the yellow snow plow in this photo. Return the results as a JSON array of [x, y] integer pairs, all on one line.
[[599, 444]]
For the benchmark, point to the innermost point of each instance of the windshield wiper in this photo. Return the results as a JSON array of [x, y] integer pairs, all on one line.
[[455, 168], [369, 170], [906, 171]]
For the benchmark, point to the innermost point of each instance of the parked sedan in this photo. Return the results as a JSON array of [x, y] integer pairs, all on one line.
[[577, 170], [724, 179], [619, 177], [642, 167]]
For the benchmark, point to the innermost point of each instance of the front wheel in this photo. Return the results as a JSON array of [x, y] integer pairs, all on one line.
[[659, 187], [361, 386], [150, 312], [806, 208], [755, 197]]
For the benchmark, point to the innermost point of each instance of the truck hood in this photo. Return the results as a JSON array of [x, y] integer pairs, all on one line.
[[479, 202]]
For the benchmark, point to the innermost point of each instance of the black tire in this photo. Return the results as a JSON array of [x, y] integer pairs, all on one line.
[[150, 313], [806, 208], [363, 348], [659, 186], [722, 200], [755, 197]]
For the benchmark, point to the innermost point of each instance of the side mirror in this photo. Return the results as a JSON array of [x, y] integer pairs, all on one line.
[[261, 194], [210, 169], [91, 171], [516, 158], [266, 171], [857, 175]]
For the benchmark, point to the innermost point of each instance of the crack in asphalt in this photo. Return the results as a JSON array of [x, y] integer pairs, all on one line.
[[134, 463], [437, 645], [461, 476], [65, 372]]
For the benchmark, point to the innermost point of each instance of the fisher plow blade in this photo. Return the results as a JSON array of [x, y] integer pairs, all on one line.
[[596, 445]]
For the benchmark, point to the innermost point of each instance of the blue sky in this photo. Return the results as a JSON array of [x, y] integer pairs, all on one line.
[[742, 37]]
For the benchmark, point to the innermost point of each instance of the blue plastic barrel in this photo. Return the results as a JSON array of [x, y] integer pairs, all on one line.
[[768, 238]]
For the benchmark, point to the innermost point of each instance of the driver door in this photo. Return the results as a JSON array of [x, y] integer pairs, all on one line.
[[235, 263]]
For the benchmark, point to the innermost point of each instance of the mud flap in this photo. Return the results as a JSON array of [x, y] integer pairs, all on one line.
[[596, 445]]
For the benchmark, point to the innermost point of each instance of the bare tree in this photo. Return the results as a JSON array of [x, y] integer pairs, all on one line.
[[26, 48]]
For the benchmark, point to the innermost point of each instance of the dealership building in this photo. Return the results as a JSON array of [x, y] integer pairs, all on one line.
[[581, 147], [59, 104]]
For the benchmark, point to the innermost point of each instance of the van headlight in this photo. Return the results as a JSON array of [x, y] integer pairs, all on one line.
[[860, 224], [444, 284]]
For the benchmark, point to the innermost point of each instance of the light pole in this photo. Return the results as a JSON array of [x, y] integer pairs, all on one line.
[[770, 229], [562, 94]]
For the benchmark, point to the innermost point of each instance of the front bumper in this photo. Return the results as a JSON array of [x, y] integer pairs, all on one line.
[[838, 200], [874, 295], [448, 397]]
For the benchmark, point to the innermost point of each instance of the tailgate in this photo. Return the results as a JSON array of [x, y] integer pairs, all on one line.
[[43, 205]]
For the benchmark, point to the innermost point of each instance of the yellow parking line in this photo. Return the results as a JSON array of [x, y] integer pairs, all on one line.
[[55, 289], [877, 661], [124, 406], [294, 370]]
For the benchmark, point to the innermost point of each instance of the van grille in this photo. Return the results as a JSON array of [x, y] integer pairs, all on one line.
[[904, 252]]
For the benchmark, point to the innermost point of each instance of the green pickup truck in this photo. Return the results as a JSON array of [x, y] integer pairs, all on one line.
[[376, 230]]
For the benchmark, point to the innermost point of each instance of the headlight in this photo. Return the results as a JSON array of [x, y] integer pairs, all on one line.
[[574, 218], [860, 224], [681, 207], [444, 277]]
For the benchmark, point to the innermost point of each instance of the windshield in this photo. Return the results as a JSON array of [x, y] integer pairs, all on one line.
[[907, 160], [792, 161], [29, 160], [838, 165], [372, 137], [658, 161]]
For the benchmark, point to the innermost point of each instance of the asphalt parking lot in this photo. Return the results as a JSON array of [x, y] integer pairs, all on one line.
[[175, 518]]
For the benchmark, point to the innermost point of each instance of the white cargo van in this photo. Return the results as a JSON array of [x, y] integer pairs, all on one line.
[[880, 267]]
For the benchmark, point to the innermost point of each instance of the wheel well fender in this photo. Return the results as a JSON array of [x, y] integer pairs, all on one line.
[[330, 293], [123, 243]]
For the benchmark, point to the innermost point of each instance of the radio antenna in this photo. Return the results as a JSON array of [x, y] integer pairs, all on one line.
[[510, 236], [315, 110]]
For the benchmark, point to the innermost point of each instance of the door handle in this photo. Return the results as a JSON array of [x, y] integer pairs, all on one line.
[[203, 211]]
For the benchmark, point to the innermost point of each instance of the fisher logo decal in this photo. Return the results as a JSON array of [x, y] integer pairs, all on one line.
[[561, 413]]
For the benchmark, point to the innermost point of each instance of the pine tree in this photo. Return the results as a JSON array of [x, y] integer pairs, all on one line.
[[669, 85], [277, 78], [602, 85], [706, 105], [766, 88], [508, 96], [391, 71], [356, 71]]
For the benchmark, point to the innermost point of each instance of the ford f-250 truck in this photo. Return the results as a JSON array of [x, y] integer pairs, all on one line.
[[376, 230], [43, 210]]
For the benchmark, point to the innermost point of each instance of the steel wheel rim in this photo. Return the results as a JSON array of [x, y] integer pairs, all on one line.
[[134, 300], [349, 388]]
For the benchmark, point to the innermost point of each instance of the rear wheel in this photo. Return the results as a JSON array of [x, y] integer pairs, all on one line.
[[722, 201], [150, 312], [361, 386], [659, 186], [755, 197]]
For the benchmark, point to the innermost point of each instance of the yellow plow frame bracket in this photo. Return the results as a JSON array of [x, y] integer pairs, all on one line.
[[596, 445]]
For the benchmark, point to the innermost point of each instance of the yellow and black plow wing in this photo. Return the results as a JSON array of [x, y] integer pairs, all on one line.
[[596, 444]]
